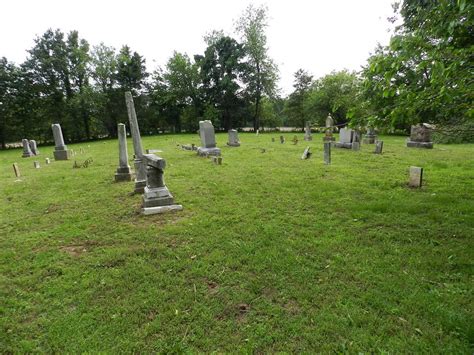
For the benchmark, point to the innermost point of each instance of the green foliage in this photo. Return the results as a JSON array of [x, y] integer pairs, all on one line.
[[296, 109], [425, 74]]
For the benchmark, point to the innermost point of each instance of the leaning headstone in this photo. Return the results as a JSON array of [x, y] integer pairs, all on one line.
[[233, 138], [156, 196], [36, 164], [208, 139], [282, 139], [47, 160], [327, 153], [26, 149], [307, 132], [33, 147], [140, 166], [328, 137], [60, 149], [420, 137], [16, 169], [378, 147], [306, 153], [346, 136], [123, 173], [355, 146], [370, 136], [416, 176]]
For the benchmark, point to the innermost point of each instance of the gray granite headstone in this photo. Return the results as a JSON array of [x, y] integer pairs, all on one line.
[[378, 147], [233, 138], [33, 147], [420, 137], [370, 136], [208, 139], [26, 149], [327, 153], [306, 153], [307, 132], [156, 196], [416, 176], [60, 149], [346, 136], [140, 167], [123, 173]]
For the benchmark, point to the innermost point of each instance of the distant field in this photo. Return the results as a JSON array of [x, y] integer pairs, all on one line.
[[271, 253]]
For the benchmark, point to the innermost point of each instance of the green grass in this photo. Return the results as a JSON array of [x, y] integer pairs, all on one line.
[[271, 253]]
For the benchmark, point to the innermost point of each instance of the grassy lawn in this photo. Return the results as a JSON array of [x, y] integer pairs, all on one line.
[[271, 253]]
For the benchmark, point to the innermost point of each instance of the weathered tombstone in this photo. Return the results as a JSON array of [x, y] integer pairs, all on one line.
[[26, 149], [306, 153], [420, 137], [355, 146], [33, 147], [282, 139], [156, 196], [60, 150], [327, 153], [273, 139], [81, 150], [47, 160], [256, 133], [140, 167], [378, 147], [370, 136], [123, 173], [356, 136], [219, 160], [416, 176], [307, 132], [346, 136], [36, 164], [233, 138], [328, 137], [16, 169], [295, 140], [208, 139]]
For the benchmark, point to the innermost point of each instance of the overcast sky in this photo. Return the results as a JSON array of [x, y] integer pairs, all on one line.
[[318, 36]]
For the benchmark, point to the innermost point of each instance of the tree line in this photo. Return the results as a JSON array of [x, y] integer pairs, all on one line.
[[423, 75]]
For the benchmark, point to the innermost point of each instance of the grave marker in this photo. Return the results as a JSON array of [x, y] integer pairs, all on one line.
[[416, 176], [36, 164], [420, 137], [378, 147], [282, 139], [307, 132], [26, 149], [208, 139], [233, 138], [34, 148], [16, 169], [123, 173], [306, 153], [327, 153]]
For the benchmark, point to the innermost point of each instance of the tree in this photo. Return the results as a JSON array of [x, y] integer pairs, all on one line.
[[262, 73], [424, 75], [295, 105]]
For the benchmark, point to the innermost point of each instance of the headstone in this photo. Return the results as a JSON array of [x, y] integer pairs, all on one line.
[[328, 137], [257, 132], [295, 140], [355, 146], [81, 150], [356, 136], [327, 153], [123, 173], [156, 196], [33, 147], [140, 166], [36, 164], [378, 147], [26, 149], [416, 176], [60, 150], [346, 136], [282, 139], [307, 132], [370, 136], [16, 169], [420, 137], [273, 139], [233, 138], [306, 153], [219, 160], [208, 139], [47, 160]]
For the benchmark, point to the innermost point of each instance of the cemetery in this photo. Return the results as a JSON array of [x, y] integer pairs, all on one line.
[[199, 207]]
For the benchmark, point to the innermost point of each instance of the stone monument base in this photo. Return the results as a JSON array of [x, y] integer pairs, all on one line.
[[161, 209], [343, 145], [369, 140], [233, 144], [27, 155], [204, 152], [328, 139], [62, 154], [308, 138], [139, 186], [157, 196], [428, 145], [124, 174]]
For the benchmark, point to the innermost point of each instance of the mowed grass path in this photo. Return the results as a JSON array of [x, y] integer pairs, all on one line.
[[271, 253]]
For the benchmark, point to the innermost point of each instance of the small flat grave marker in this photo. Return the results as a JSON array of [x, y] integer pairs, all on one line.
[[306, 153], [16, 169], [36, 164]]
